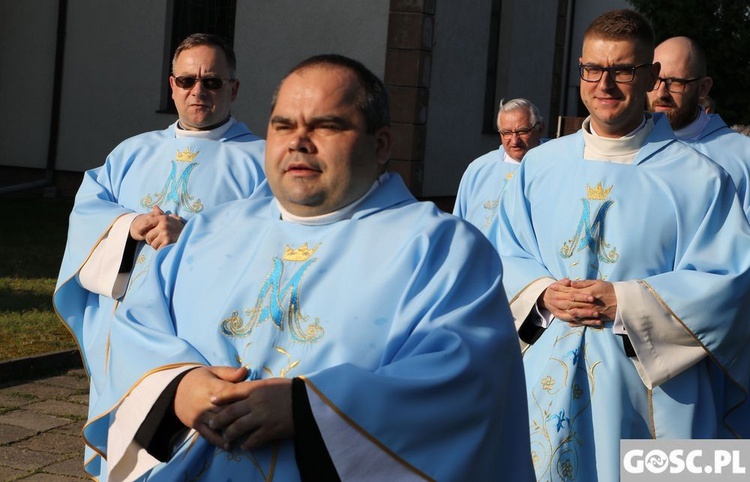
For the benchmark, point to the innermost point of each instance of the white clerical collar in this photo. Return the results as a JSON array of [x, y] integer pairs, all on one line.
[[622, 150], [507, 158], [588, 127], [691, 131], [213, 134], [329, 218]]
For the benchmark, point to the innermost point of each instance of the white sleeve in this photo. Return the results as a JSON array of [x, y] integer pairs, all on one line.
[[101, 272], [127, 459], [526, 301], [664, 346], [355, 455]]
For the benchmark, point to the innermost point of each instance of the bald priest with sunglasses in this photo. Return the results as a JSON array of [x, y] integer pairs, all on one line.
[[626, 258], [147, 189]]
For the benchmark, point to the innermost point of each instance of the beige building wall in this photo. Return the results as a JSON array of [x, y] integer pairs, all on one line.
[[110, 88], [433, 54], [27, 56], [271, 36], [114, 55], [455, 134]]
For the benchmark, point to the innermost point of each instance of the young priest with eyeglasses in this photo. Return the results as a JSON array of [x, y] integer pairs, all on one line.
[[626, 257]]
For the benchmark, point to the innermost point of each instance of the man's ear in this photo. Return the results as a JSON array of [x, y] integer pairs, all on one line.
[[383, 144], [655, 69], [705, 86]]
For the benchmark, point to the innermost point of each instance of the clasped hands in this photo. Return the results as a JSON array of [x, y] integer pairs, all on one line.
[[157, 228], [580, 302], [228, 411]]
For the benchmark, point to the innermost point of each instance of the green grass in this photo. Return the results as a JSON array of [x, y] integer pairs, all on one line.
[[32, 241]]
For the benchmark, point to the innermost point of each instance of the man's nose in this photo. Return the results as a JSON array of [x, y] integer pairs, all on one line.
[[606, 82], [662, 91], [301, 142]]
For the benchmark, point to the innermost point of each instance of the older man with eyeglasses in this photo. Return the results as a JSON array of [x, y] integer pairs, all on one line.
[[627, 265], [147, 189], [520, 126], [682, 83]]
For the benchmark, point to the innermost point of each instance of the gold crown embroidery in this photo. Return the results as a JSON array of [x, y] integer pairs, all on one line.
[[302, 253], [187, 155], [598, 193]]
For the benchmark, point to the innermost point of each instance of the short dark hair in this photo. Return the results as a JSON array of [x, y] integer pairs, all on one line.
[[622, 24], [372, 97], [211, 40]]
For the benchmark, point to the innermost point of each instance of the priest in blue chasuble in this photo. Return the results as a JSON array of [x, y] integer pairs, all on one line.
[[335, 330], [149, 186], [520, 126], [625, 257]]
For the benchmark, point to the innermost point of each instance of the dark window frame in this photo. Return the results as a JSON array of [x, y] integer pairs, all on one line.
[[489, 115], [185, 17]]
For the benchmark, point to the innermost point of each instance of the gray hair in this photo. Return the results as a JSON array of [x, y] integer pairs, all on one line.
[[515, 104]]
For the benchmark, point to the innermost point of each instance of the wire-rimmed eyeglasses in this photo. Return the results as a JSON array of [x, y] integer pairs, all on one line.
[[622, 74], [525, 132]]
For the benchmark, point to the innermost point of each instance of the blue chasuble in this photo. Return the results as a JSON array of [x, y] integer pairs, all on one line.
[[729, 149], [183, 176], [480, 189], [671, 220], [396, 317]]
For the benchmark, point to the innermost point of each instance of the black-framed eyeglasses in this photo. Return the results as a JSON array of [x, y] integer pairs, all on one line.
[[210, 83], [519, 132], [622, 74], [674, 85]]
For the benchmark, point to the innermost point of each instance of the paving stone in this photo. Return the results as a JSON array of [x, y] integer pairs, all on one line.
[[67, 381], [52, 442], [31, 420], [73, 428], [52, 478], [41, 391], [24, 459], [59, 408], [10, 399], [9, 473], [41, 421], [72, 467], [13, 433], [82, 398]]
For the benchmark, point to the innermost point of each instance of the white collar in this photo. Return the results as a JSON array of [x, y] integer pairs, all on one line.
[[622, 150], [329, 218], [214, 134], [591, 130], [507, 158]]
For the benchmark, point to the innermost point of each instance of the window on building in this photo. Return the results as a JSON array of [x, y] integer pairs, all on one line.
[[185, 17]]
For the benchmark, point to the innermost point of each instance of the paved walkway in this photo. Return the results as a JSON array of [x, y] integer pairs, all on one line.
[[40, 428]]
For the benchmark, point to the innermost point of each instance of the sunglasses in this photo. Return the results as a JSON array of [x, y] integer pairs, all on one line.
[[210, 83]]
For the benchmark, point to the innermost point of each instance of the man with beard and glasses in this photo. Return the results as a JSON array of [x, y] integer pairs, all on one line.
[[682, 83]]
